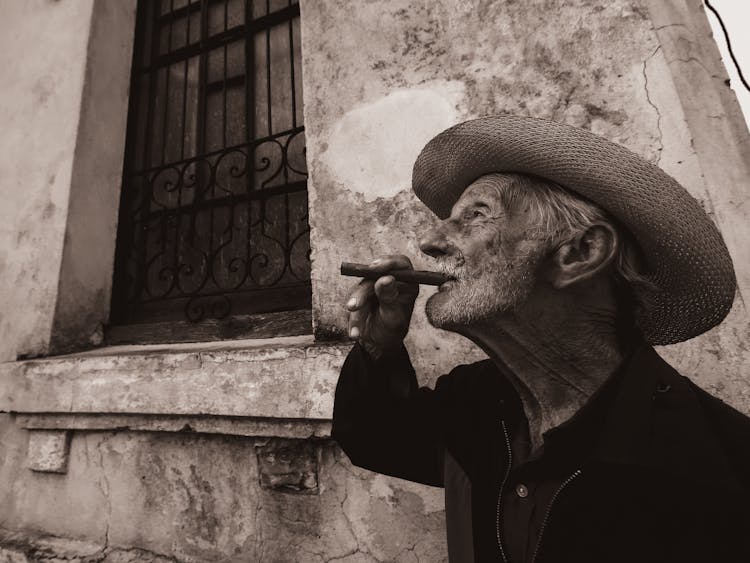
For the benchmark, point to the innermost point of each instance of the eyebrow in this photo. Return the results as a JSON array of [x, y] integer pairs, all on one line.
[[483, 200], [474, 204], [479, 204]]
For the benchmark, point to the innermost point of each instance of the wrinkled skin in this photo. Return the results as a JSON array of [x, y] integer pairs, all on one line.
[[490, 255], [545, 315]]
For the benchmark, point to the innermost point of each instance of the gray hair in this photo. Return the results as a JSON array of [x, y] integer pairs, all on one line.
[[561, 214]]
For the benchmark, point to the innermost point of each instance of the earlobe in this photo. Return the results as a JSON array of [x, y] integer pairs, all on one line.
[[584, 255]]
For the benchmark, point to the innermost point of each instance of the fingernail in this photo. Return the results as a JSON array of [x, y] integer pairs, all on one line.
[[352, 302], [354, 332]]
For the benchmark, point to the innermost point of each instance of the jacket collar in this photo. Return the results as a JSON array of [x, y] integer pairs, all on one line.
[[655, 420]]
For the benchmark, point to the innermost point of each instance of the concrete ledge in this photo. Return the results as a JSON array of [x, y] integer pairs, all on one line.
[[229, 425], [283, 379]]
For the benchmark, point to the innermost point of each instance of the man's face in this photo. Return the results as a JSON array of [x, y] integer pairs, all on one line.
[[490, 251]]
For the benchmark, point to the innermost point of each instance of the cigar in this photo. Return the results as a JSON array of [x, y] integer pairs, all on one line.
[[410, 276]]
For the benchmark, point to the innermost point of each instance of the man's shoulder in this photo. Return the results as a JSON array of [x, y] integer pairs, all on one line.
[[663, 420], [716, 426], [719, 411], [731, 429], [726, 421], [665, 376]]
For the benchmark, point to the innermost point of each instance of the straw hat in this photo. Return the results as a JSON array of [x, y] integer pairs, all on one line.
[[686, 257]]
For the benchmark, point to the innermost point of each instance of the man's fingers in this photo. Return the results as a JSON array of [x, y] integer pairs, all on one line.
[[360, 295], [380, 307], [386, 290], [355, 324], [392, 262], [359, 306], [394, 306]]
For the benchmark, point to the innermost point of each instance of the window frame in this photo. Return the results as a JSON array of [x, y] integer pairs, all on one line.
[[281, 311]]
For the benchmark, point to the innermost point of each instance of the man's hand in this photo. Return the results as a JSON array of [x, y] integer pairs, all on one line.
[[380, 310]]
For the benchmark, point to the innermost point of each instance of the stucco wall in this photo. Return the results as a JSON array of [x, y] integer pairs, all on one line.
[[85, 277], [64, 78], [41, 83], [197, 498]]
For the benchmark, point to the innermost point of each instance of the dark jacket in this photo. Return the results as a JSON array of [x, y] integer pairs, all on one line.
[[667, 480]]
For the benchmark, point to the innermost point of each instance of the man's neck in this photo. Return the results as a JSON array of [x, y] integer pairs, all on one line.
[[555, 355]]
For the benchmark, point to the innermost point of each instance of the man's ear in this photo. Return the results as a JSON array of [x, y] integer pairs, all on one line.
[[583, 256]]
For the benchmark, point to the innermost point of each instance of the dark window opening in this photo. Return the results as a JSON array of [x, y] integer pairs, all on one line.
[[213, 216]]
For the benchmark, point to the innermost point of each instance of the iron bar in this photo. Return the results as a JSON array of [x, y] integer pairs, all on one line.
[[247, 232], [291, 69], [185, 88], [269, 102], [165, 117], [141, 243], [228, 36]]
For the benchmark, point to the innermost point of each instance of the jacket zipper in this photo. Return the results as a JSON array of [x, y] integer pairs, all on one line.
[[500, 493], [564, 484]]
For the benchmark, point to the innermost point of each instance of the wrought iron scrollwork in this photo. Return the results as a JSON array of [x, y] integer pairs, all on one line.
[[213, 218], [232, 221]]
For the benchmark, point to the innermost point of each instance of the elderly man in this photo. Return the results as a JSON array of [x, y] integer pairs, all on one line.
[[569, 256]]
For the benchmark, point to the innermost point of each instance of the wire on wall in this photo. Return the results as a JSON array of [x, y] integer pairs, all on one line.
[[729, 44]]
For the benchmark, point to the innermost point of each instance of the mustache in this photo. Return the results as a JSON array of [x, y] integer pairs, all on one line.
[[452, 266]]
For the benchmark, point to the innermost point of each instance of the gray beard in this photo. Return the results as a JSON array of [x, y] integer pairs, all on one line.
[[481, 295]]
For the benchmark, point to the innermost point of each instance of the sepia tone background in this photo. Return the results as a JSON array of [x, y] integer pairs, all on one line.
[[216, 447]]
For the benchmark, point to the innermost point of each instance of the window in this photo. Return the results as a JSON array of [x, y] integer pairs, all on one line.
[[213, 215]]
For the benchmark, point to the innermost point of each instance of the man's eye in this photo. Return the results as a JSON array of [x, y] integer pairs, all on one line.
[[476, 213]]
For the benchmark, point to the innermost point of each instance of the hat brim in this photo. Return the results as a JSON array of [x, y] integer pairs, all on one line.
[[686, 256]]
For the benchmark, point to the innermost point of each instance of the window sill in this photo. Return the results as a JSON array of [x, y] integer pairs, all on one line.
[[236, 327], [275, 387]]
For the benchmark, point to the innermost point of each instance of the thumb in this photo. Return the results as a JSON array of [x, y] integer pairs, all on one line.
[[391, 313], [386, 290]]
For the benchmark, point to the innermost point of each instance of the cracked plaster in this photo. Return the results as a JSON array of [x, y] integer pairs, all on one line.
[[651, 103], [282, 382], [197, 498]]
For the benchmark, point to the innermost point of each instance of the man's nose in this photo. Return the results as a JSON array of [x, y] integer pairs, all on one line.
[[434, 243]]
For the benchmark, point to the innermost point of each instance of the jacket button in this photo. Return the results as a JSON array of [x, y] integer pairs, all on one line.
[[521, 490]]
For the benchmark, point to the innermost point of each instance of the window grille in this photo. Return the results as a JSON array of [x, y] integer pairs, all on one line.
[[213, 216]]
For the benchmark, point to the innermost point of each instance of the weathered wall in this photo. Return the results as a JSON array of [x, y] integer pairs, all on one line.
[[41, 83], [370, 106], [64, 77], [199, 498], [85, 278]]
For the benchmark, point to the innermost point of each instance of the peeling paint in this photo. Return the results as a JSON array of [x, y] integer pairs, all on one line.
[[372, 148], [199, 498]]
